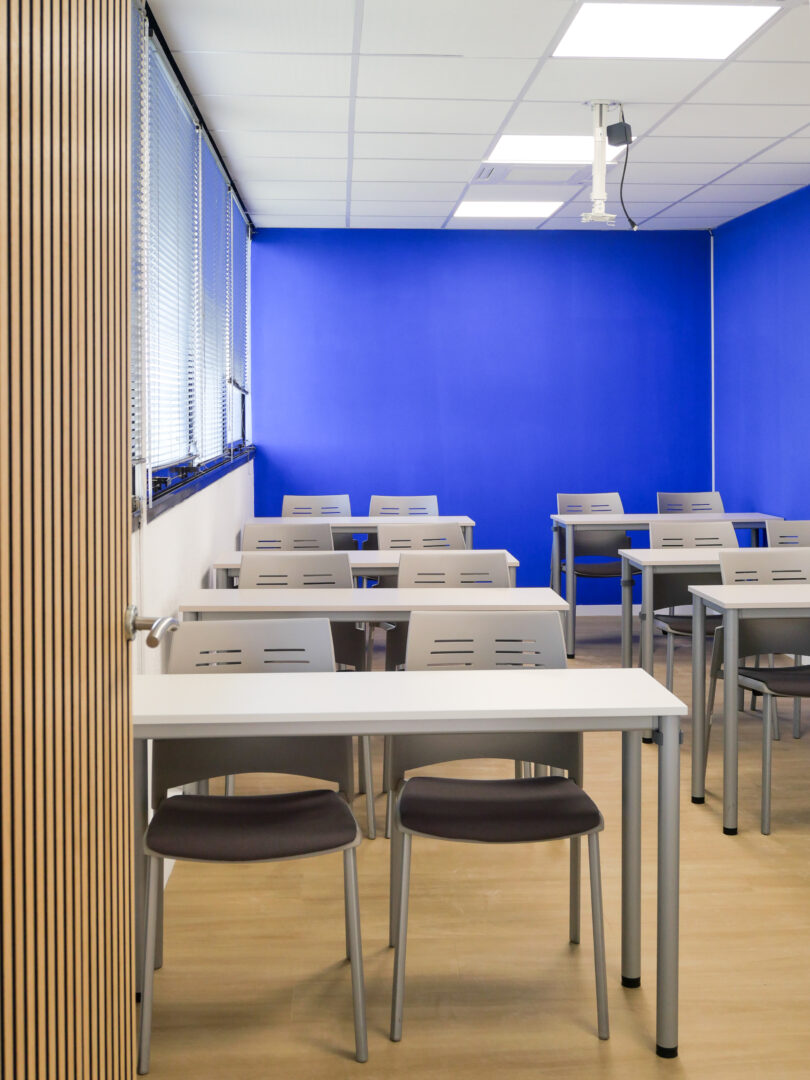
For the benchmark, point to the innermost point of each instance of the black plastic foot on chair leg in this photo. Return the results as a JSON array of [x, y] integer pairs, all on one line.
[[698, 799], [633, 983], [729, 832], [646, 738], [666, 1051]]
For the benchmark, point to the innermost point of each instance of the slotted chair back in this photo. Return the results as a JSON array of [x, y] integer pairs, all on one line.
[[788, 533], [403, 506], [689, 502], [283, 536], [765, 566], [420, 536], [454, 569], [295, 570], [316, 506]]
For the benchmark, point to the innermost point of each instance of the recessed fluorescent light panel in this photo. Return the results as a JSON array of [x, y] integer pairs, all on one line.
[[507, 209], [662, 31], [547, 150]]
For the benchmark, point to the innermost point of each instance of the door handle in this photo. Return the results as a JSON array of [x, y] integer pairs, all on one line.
[[157, 628]]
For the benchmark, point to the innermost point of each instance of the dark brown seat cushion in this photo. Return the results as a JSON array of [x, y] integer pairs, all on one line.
[[682, 624], [250, 828], [599, 569], [497, 811], [784, 682]]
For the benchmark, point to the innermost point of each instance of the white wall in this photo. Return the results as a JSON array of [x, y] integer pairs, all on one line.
[[173, 554]]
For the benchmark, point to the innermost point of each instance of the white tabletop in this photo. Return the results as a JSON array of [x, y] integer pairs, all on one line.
[[387, 559], [360, 522], [642, 521], [352, 602], [788, 597], [379, 703], [673, 558]]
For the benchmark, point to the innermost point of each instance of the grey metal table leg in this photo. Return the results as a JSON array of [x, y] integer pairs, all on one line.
[[647, 643], [698, 700], [731, 628], [627, 615], [631, 858], [139, 823], [222, 578], [669, 788], [556, 572], [570, 592]]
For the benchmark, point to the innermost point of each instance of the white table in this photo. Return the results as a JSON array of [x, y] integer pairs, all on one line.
[[734, 602], [388, 703], [360, 605], [348, 526], [695, 562], [365, 564], [571, 523]]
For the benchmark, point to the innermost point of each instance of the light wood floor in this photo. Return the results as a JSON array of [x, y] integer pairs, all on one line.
[[254, 983]]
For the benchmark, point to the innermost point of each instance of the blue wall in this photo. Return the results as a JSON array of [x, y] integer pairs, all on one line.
[[762, 357], [490, 368]]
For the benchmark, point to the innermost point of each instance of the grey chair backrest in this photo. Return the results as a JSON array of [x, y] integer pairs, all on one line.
[[295, 570], [788, 533], [420, 536], [594, 541], [249, 646], [689, 502], [692, 534], [765, 566], [453, 569], [441, 640], [287, 536], [672, 590], [316, 506], [403, 506]]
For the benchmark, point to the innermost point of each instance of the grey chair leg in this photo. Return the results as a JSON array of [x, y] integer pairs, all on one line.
[[574, 890], [777, 734], [797, 718], [600, 968], [767, 750], [398, 994], [230, 785], [389, 806], [356, 949], [389, 814], [395, 858], [670, 659], [153, 875], [368, 783], [540, 769]]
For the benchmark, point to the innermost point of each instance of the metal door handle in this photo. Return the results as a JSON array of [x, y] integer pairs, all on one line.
[[157, 627]]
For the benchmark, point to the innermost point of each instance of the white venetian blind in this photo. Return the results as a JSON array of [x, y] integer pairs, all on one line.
[[212, 370], [239, 316]]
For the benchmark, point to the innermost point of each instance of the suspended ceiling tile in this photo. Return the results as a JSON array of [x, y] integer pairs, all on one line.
[[441, 77], [758, 84], [619, 80], [424, 114], [297, 207], [256, 190], [660, 224], [381, 222], [520, 192], [262, 168], [640, 172], [288, 144], [443, 147], [763, 173], [726, 151], [412, 191], [402, 169], [539, 174], [304, 221], [571, 118], [470, 27], [247, 113], [762, 193], [789, 151], [786, 38], [302, 26], [402, 207], [765, 121], [265, 73], [641, 193]]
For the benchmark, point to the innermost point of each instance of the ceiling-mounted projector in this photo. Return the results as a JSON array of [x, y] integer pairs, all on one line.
[[603, 133]]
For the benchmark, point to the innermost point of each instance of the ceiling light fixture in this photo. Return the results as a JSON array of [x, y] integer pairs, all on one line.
[[662, 31], [546, 150], [493, 209]]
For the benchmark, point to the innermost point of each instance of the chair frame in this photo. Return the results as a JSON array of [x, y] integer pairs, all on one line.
[[690, 502]]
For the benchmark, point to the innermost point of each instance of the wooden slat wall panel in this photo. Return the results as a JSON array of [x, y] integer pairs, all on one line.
[[65, 740]]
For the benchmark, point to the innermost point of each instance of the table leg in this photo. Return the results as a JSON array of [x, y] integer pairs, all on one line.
[[698, 700], [139, 823], [755, 536], [631, 858], [513, 576], [730, 748], [570, 592], [467, 533], [556, 572], [627, 614], [647, 637], [222, 579], [669, 787]]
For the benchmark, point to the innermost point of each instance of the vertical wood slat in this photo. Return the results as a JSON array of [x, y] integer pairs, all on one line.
[[65, 738]]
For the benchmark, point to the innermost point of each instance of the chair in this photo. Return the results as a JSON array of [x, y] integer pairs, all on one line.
[[420, 536], [490, 811], [767, 566], [292, 536], [301, 506], [265, 828], [672, 590], [403, 506], [788, 533], [319, 569], [689, 502], [592, 543]]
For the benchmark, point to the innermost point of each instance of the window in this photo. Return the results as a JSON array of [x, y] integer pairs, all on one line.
[[191, 292]]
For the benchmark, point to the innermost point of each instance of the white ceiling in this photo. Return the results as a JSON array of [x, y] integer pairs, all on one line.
[[379, 113]]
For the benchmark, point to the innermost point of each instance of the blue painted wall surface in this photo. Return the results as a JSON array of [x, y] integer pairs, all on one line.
[[490, 368], [762, 357]]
